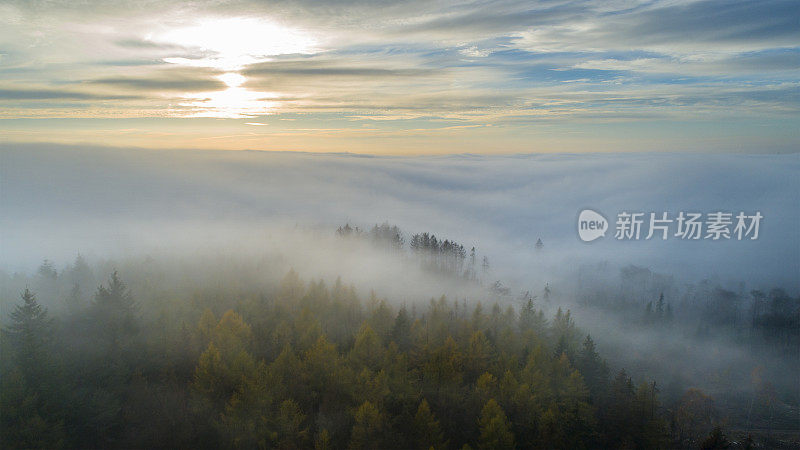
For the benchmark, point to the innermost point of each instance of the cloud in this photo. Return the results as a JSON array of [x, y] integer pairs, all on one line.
[[55, 94], [329, 69], [166, 82], [475, 52], [676, 29], [498, 62], [488, 19], [766, 64], [144, 44], [102, 198], [771, 23]]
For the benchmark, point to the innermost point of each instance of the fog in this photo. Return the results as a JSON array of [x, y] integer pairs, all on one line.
[[174, 222], [58, 201]]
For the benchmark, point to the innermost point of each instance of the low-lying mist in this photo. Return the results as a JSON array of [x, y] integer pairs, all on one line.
[[190, 228], [58, 201]]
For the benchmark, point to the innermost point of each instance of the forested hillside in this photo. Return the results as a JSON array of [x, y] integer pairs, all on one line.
[[313, 366], [235, 352]]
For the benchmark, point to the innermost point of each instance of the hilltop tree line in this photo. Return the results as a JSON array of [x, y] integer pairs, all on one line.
[[443, 256]]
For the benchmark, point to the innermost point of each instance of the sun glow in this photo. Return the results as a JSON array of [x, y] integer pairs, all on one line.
[[231, 103], [230, 44], [232, 79]]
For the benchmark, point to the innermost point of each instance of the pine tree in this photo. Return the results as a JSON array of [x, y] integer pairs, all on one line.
[[478, 356], [291, 433], [368, 429], [650, 429], [401, 330], [428, 433], [495, 428], [81, 274], [527, 315], [28, 412], [47, 270], [30, 334], [618, 416], [472, 274], [367, 350], [226, 364], [660, 307], [210, 374], [593, 368], [323, 440], [114, 312]]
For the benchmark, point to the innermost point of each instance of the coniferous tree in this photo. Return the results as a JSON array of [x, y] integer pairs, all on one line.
[[401, 330], [617, 416], [81, 274], [660, 307], [369, 428], [30, 333], [527, 316], [593, 369], [303, 364], [114, 313], [291, 431], [495, 428], [427, 431], [323, 440], [29, 417], [47, 270]]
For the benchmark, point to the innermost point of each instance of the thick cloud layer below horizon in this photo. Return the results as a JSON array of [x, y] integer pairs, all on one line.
[[109, 202]]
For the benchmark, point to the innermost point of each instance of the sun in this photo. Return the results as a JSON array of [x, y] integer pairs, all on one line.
[[230, 44], [235, 102], [234, 42]]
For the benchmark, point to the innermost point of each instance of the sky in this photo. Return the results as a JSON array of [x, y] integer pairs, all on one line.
[[404, 77]]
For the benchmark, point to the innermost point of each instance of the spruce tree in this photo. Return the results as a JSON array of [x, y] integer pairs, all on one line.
[[29, 333]]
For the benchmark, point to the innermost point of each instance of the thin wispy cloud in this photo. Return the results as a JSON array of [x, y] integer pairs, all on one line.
[[500, 63]]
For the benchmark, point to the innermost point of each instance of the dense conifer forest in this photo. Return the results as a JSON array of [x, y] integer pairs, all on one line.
[[252, 358]]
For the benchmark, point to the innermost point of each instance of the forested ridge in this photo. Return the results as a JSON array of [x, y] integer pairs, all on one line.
[[314, 366], [237, 353]]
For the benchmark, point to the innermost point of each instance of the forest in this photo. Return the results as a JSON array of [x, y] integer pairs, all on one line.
[[145, 353]]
